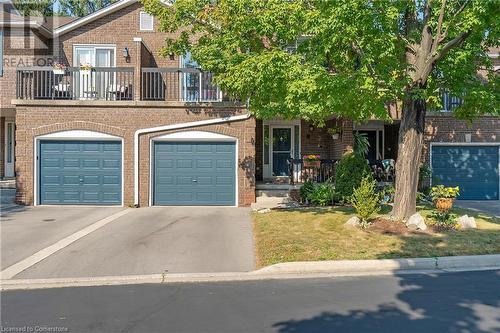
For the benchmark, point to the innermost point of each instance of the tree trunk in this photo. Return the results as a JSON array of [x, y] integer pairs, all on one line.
[[410, 142]]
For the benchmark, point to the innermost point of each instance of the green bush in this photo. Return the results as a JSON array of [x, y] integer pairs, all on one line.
[[306, 190], [349, 172], [366, 200], [322, 194]]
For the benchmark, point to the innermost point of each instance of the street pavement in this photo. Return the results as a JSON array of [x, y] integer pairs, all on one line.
[[451, 302]]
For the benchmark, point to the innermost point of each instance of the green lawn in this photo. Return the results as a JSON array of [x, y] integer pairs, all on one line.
[[319, 234]]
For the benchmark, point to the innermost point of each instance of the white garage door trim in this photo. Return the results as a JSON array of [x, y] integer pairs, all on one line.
[[433, 144], [199, 136], [80, 135]]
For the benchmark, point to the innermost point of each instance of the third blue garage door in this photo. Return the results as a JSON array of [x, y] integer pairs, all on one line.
[[194, 173], [473, 168]]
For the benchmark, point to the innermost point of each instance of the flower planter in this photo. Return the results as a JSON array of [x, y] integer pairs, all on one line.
[[85, 71], [58, 71], [312, 164], [443, 204]]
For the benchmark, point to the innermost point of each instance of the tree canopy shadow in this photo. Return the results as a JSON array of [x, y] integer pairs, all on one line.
[[465, 304]]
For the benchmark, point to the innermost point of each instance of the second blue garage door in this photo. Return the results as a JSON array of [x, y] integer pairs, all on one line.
[[473, 168], [194, 173]]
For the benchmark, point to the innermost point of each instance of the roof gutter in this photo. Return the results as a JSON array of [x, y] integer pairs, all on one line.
[[170, 128]]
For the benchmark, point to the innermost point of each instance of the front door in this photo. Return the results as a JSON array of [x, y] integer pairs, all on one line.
[[281, 150], [9, 149]]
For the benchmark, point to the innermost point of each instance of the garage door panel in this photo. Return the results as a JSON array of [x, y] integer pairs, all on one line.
[[80, 172], [194, 178], [473, 168]]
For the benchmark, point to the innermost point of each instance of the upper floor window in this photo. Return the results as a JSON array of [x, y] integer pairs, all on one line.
[[450, 102], [146, 22], [94, 55]]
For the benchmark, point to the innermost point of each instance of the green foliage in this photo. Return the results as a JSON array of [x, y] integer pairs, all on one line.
[[35, 8], [444, 220], [440, 191], [361, 144], [322, 195], [306, 190], [348, 174], [387, 194], [81, 8], [353, 61], [424, 176], [366, 200]]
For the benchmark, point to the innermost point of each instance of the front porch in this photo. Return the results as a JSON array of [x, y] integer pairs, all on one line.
[[281, 146]]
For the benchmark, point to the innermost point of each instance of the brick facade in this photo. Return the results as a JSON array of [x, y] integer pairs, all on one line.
[[445, 128], [33, 121]]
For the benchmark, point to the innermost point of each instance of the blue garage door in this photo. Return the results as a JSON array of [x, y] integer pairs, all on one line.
[[473, 168], [194, 173], [80, 172]]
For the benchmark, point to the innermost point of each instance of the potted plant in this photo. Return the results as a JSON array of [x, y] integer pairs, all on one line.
[[58, 68], [85, 69], [443, 197], [335, 131], [312, 161]]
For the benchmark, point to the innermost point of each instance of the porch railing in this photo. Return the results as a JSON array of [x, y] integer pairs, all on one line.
[[299, 173], [100, 83], [178, 84]]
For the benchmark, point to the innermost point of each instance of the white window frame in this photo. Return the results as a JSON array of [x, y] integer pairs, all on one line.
[[94, 47], [141, 21]]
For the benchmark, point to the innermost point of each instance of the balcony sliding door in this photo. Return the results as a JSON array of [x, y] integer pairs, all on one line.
[[92, 85]]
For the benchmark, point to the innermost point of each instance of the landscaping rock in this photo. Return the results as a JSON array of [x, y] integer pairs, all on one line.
[[353, 222], [466, 222], [416, 220], [264, 210]]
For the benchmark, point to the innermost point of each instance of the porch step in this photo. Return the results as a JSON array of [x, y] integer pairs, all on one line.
[[8, 183], [274, 193]]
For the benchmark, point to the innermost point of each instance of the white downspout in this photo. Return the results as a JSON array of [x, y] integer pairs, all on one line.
[[170, 128]]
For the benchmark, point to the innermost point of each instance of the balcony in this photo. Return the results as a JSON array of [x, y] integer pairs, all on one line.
[[178, 84], [100, 83], [188, 85]]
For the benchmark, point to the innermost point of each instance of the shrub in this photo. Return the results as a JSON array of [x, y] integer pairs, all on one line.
[[350, 170], [306, 190], [444, 220], [387, 194], [361, 144], [322, 194], [366, 200]]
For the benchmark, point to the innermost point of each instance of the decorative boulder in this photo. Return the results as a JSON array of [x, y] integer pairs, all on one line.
[[416, 221], [353, 222], [466, 222]]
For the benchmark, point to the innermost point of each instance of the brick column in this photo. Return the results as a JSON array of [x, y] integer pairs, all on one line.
[[138, 66]]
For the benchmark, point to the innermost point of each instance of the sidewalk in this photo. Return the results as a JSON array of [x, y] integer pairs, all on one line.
[[291, 270]]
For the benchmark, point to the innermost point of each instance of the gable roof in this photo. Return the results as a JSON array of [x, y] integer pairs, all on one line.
[[92, 17]]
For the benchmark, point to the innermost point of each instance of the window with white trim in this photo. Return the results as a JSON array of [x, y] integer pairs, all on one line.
[[449, 102], [146, 22]]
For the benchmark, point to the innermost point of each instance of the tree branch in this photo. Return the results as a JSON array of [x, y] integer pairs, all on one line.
[[435, 43], [450, 45]]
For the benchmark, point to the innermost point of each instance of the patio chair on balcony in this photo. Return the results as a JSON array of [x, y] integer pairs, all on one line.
[[118, 92], [61, 90]]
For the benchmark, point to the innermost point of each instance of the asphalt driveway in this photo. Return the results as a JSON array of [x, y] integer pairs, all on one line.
[[491, 207], [155, 240], [26, 230]]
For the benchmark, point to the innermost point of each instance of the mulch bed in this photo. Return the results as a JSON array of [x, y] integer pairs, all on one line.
[[385, 226]]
